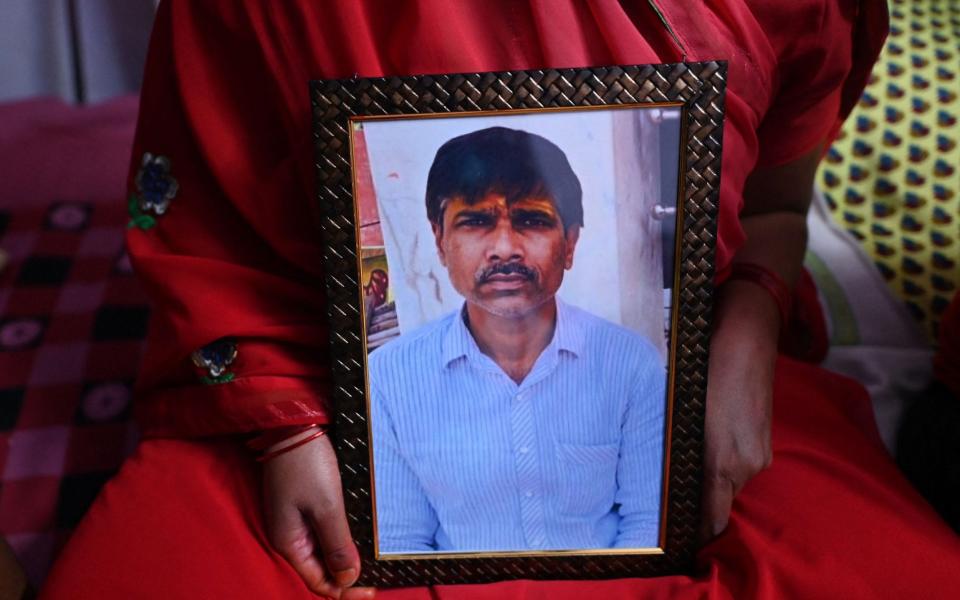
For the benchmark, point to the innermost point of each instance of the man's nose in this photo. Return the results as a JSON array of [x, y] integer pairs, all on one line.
[[505, 244]]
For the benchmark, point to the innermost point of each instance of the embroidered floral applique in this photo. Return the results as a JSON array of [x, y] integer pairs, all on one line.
[[214, 358], [155, 189]]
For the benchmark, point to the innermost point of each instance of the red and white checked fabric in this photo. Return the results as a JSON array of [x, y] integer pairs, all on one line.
[[71, 332], [72, 319]]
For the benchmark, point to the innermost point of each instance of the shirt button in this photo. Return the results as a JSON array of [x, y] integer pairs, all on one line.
[[524, 449], [528, 494]]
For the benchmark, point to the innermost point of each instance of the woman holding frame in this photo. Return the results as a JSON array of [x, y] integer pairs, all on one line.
[[230, 254]]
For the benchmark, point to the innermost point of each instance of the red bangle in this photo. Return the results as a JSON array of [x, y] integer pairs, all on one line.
[[321, 431], [768, 280], [272, 437]]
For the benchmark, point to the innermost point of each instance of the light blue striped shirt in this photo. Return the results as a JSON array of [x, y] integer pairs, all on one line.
[[465, 459]]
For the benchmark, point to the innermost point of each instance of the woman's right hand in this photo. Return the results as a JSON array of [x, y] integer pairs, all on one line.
[[306, 521]]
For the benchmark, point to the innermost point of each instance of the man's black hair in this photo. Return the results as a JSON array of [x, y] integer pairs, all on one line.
[[504, 161]]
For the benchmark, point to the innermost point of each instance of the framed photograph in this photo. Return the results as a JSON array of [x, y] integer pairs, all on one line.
[[519, 273]]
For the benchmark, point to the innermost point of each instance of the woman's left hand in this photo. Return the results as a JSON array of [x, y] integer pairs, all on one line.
[[743, 354], [743, 349]]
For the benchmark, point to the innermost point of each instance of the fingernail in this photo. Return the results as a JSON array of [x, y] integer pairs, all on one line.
[[718, 528], [345, 577]]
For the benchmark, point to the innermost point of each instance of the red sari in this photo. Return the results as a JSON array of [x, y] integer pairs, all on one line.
[[238, 254]]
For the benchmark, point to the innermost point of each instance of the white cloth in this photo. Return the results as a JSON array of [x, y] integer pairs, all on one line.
[[873, 338]]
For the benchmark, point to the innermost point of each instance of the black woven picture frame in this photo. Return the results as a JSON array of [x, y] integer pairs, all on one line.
[[699, 88]]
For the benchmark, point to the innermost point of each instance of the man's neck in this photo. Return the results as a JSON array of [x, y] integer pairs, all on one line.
[[514, 343]]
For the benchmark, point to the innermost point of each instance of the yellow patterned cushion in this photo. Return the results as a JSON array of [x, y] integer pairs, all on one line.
[[891, 178]]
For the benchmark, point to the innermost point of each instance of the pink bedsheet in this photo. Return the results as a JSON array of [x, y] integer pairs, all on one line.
[[72, 317]]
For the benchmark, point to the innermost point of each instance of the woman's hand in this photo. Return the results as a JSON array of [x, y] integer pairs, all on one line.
[[306, 521], [743, 354], [743, 349]]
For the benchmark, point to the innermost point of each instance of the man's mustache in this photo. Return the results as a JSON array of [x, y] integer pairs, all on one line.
[[512, 268]]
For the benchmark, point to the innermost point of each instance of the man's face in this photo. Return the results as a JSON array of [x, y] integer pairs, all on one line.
[[508, 260]]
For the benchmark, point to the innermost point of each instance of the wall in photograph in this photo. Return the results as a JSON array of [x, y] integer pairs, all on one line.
[[619, 260]]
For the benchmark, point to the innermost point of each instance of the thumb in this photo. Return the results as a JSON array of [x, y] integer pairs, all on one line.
[[293, 538], [340, 555], [329, 520], [717, 502]]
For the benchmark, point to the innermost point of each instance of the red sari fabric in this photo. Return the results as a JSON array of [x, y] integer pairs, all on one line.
[[831, 518], [238, 254]]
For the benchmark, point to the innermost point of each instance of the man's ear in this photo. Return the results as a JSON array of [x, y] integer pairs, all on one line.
[[438, 239], [572, 234]]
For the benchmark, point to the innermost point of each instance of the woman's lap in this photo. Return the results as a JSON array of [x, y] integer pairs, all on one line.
[[831, 517]]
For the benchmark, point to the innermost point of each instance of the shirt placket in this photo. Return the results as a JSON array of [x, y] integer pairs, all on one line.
[[527, 464]]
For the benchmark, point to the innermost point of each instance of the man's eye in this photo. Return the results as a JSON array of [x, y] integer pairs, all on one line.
[[473, 222], [535, 222]]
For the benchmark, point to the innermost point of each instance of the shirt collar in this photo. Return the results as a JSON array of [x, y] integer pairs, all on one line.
[[568, 335], [458, 342]]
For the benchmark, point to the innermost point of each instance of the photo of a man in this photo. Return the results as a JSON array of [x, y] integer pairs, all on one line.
[[517, 422]]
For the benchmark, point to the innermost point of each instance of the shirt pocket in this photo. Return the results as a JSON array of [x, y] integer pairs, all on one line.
[[588, 478]]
